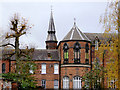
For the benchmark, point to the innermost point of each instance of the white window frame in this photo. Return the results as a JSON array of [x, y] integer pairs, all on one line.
[[43, 68], [66, 82], [56, 85], [56, 69], [77, 83]]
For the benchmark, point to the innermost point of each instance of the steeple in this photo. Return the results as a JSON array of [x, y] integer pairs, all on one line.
[[51, 42]]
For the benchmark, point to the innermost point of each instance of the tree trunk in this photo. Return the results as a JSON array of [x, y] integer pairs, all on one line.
[[17, 53]]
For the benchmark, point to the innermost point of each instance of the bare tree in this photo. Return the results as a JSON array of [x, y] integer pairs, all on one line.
[[19, 27]]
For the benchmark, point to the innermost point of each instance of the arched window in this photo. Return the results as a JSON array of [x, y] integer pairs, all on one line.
[[77, 52], [3, 68], [87, 53], [66, 82], [65, 55], [77, 84]]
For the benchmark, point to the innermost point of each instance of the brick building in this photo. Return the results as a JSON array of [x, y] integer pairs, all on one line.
[[61, 65]]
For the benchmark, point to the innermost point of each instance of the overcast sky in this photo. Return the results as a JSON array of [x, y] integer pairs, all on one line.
[[87, 16]]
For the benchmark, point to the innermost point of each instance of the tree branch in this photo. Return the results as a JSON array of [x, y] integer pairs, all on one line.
[[10, 36], [23, 28], [7, 45]]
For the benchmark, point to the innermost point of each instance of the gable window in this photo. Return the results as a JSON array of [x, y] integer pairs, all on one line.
[[66, 82], [56, 69], [55, 84], [96, 43], [65, 51], [77, 84], [3, 68], [87, 53], [44, 83], [43, 69], [77, 53]]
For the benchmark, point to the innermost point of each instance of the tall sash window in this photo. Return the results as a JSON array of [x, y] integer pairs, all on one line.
[[77, 52], [87, 53], [65, 51]]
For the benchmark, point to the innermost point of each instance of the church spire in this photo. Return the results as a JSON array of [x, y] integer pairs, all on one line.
[[51, 22], [51, 30], [51, 37]]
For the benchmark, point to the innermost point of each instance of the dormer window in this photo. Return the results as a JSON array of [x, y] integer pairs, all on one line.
[[49, 56], [65, 51], [77, 52], [87, 53]]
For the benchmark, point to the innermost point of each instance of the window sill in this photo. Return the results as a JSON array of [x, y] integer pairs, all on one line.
[[56, 73], [43, 73]]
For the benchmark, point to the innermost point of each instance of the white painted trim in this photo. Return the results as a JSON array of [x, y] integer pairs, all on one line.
[[79, 33], [75, 65], [86, 37], [72, 34]]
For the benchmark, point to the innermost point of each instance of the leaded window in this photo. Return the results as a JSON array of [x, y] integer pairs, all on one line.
[[65, 51], [66, 82], [87, 53], [77, 84], [77, 53]]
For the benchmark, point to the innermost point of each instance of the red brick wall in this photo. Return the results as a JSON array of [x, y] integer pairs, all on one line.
[[72, 71], [6, 65], [71, 51], [49, 76], [51, 45], [6, 70]]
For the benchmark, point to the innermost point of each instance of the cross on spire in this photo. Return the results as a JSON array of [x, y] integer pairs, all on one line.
[[74, 21]]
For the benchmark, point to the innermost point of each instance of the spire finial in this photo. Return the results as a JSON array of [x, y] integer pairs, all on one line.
[[51, 8], [74, 21]]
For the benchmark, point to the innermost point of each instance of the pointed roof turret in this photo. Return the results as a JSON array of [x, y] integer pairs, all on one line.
[[51, 30], [76, 34]]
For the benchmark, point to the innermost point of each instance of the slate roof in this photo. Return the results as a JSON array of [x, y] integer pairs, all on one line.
[[38, 54], [75, 34], [101, 36], [42, 54], [92, 36]]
